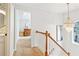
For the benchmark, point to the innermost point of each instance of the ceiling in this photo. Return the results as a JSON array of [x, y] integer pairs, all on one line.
[[51, 7]]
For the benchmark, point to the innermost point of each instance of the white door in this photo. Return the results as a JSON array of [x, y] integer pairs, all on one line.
[[2, 45]]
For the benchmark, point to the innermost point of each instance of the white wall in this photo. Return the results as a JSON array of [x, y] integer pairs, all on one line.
[[72, 48], [43, 21]]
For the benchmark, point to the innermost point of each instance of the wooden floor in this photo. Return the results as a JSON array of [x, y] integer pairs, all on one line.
[[29, 52]]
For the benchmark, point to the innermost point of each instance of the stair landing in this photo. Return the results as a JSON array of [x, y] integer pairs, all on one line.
[[28, 52]]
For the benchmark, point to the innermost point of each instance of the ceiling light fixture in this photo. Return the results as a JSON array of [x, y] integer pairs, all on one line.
[[68, 23]]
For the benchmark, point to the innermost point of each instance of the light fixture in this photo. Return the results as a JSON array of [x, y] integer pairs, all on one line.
[[68, 23]]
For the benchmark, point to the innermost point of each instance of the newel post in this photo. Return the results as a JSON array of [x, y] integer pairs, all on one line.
[[46, 51]]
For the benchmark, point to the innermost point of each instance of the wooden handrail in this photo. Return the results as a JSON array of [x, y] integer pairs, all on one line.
[[40, 32], [48, 35], [59, 46]]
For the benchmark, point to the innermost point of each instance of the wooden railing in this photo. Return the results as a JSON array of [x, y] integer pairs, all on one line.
[[48, 35]]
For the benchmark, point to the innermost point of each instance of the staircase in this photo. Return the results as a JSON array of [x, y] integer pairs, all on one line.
[[27, 50], [47, 35], [23, 48], [34, 51]]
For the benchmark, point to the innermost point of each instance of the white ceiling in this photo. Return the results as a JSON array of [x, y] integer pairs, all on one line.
[[51, 7]]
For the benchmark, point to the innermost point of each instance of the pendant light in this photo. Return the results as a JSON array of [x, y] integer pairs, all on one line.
[[68, 23]]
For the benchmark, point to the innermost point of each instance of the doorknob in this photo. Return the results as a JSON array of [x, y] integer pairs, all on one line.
[[6, 34]]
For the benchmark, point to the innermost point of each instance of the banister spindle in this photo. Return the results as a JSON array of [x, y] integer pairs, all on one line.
[[46, 52]]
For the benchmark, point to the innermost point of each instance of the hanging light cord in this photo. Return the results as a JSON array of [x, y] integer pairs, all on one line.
[[68, 9]]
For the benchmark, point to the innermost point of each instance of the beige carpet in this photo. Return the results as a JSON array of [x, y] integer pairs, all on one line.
[[28, 52]]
